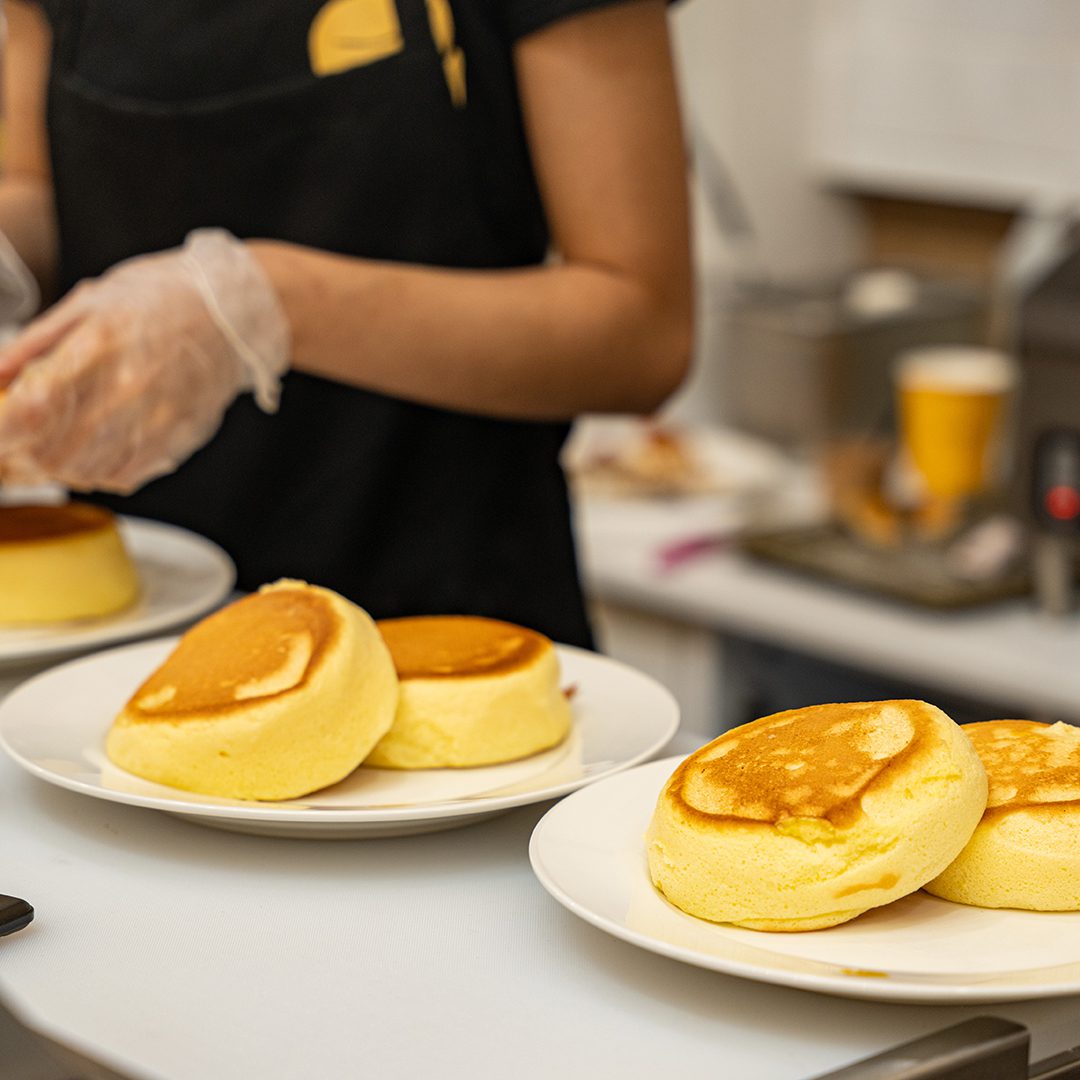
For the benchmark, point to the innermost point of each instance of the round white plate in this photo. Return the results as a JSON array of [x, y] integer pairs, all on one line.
[[54, 725], [589, 853], [182, 575]]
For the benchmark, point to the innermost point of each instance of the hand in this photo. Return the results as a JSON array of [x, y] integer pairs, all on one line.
[[132, 372]]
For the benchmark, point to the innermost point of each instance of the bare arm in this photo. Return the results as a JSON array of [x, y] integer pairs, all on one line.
[[607, 327], [27, 216]]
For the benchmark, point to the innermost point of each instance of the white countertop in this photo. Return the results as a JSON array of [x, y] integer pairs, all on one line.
[[1007, 653], [179, 952], [191, 954]]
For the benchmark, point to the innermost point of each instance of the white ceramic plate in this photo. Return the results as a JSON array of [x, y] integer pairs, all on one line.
[[182, 575], [589, 853], [54, 725]]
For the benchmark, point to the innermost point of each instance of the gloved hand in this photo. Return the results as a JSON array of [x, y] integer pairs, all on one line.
[[132, 372]]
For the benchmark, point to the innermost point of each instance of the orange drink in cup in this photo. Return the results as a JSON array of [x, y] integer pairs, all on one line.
[[953, 406]]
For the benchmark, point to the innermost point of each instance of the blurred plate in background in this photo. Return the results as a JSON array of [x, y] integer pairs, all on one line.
[[630, 458]]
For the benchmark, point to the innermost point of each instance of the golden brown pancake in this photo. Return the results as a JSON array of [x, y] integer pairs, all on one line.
[[59, 563], [272, 697], [807, 818], [1025, 853], [474, 691], [459, 646]]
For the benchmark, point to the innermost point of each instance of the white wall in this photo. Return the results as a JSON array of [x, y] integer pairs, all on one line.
[[969, 100], [745, 70]]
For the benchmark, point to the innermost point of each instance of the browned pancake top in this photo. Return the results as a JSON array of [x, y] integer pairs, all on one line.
[[33, 524], [455, 646], [816, 762], [1028, 764], [259, 647]]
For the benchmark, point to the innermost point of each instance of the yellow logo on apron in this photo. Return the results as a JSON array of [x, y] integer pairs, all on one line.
[[350, 33], [441, 20]]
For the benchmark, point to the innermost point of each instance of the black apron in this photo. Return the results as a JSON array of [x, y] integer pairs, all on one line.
[[403, 508]]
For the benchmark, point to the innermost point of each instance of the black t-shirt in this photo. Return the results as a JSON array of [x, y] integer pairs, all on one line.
[[379, 128]]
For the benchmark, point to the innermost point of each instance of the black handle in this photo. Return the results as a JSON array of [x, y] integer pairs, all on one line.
[[14, 914], [1065, 1066], [985, 1048]]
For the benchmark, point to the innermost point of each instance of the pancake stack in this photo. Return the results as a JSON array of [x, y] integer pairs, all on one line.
[[1025, 852], [278, 694], [59, 563], [474, 691], [808, 818]]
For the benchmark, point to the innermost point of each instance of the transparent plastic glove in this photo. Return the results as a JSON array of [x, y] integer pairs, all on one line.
[[132, 372]]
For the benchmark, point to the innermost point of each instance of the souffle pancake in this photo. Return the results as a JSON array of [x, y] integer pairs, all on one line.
[[61, 563], [281, 693], [1025, 852], [474, 691], [808, 818]]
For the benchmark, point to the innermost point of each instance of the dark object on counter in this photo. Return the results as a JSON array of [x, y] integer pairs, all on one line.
[[26, 1054], [14, 914], [984, 1048], [1055, 505], [1047, 344], [917, 575], [1055, 486], [1063, 1066]]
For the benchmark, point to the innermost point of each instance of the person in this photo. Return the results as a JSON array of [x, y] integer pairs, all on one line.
[[336, 276]]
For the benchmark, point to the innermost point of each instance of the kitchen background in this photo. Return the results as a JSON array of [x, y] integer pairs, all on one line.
[[870, 175]]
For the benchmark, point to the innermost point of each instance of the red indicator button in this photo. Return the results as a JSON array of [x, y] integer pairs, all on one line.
[[1062, 503]]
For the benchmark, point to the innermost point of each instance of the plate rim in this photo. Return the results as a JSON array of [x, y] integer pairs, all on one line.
[[271, 814], [122, 627], [899, 988]]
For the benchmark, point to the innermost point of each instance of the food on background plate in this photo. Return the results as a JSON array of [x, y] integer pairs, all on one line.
[[855, 469], [868, 500], [807, 818], [474, 691], [644, 460], [274, 696], [1025, 852], [60, 563]]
